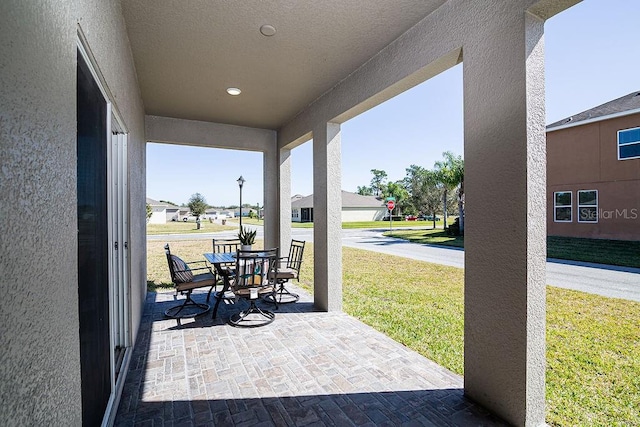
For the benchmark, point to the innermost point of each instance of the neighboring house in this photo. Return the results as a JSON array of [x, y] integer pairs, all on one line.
[[218, 213], [177, 213], [158, 211], [354, 208], [593, 172], [173, 213], [245, 212]]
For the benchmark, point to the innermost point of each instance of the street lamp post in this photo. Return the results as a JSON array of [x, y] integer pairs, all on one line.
[[240, 183]]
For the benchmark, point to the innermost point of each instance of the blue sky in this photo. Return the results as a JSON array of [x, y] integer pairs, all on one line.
[[591, 57]]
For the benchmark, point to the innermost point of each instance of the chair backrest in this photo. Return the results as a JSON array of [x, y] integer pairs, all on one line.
[[167, 252], [179, 270], [256, 268], [295, 255], [225, 246]]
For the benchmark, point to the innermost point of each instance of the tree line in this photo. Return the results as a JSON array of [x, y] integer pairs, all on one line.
[[424, 191]]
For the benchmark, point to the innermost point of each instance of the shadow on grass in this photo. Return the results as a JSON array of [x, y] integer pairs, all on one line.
[[152, 286]]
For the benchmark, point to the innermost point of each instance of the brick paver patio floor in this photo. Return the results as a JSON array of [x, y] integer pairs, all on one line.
[[306, 368]]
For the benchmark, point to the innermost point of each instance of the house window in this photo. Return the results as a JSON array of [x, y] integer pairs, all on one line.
[[562, 206], [588, 206], [629, 144]]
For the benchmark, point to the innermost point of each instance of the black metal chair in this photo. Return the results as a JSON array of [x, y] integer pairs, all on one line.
[[253, 278], [224, 269], [289, 269], [185, 281]]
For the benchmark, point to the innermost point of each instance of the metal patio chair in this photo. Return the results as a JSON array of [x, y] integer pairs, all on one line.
[[253, 278], [185, 281], [289, 269]]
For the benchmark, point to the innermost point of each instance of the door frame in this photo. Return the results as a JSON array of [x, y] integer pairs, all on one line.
[[119, 299]]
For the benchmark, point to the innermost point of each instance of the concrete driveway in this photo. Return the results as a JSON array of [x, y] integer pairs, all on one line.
[[605, 280]]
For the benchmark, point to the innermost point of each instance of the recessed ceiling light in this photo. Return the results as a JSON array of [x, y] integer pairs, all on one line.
[[233, 91], [268, 30]]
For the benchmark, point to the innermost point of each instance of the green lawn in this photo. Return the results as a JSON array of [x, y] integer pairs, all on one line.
[[613, 252], [432, 237], [179, 227], [593, 342], [190, 227], [395, 224]]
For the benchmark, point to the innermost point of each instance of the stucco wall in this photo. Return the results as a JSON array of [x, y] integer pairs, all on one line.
[[362, 214], [158, 216], [39, 362], [585, 157]]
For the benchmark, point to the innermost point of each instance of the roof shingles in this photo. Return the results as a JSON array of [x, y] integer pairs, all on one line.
[[625, 103]]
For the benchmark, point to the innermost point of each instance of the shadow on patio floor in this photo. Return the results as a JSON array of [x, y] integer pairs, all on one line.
[[306, 368]]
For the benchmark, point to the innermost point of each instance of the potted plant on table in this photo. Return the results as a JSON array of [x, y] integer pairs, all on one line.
[[247, 238]]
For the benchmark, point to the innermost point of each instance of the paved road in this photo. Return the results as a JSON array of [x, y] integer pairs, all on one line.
[[610, 281]]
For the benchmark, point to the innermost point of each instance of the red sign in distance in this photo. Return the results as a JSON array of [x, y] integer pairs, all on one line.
[[391, 204]]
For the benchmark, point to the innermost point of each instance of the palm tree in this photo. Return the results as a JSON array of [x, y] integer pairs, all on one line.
[[399, 192], [451, 175]]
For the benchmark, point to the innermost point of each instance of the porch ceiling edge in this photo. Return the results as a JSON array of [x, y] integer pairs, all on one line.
[[172, 130]]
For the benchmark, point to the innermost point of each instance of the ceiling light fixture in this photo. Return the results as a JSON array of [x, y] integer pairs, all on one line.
[[268, 30], [233, 91]]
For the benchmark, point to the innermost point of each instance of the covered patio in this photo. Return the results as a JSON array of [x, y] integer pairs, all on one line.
[[306, 368], [100, 79]]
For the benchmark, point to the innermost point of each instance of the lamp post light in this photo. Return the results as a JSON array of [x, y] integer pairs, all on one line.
[[240, 184]]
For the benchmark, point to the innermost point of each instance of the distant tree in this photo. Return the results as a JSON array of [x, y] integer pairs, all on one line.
[[197, 205], [364, 191], [149, 212], [378, 181], [168, 202], [424, 189]]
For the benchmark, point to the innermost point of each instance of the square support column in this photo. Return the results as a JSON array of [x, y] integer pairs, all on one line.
[[505, 231], [284, 189], [327, 217], [271, 195]]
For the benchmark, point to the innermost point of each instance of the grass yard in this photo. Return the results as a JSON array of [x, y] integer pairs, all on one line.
[[612, 252], [362, 224], [593, 342], [394, 225], [431, 237], [180, 227]]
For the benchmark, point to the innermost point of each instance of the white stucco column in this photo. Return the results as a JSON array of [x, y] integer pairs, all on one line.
[[284, 199], [271, 172], [505, 232], [327, 223]]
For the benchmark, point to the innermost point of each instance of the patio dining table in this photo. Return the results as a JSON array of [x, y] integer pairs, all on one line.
[[219, 261]]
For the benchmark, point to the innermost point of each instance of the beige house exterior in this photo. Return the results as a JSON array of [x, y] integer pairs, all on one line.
[[354, 208], [147, 71], [160, 211], [593, 172]]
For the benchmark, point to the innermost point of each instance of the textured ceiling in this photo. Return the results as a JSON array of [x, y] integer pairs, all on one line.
[[187, 53]]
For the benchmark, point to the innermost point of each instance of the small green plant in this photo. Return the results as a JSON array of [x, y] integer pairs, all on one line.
[[246, 236]]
